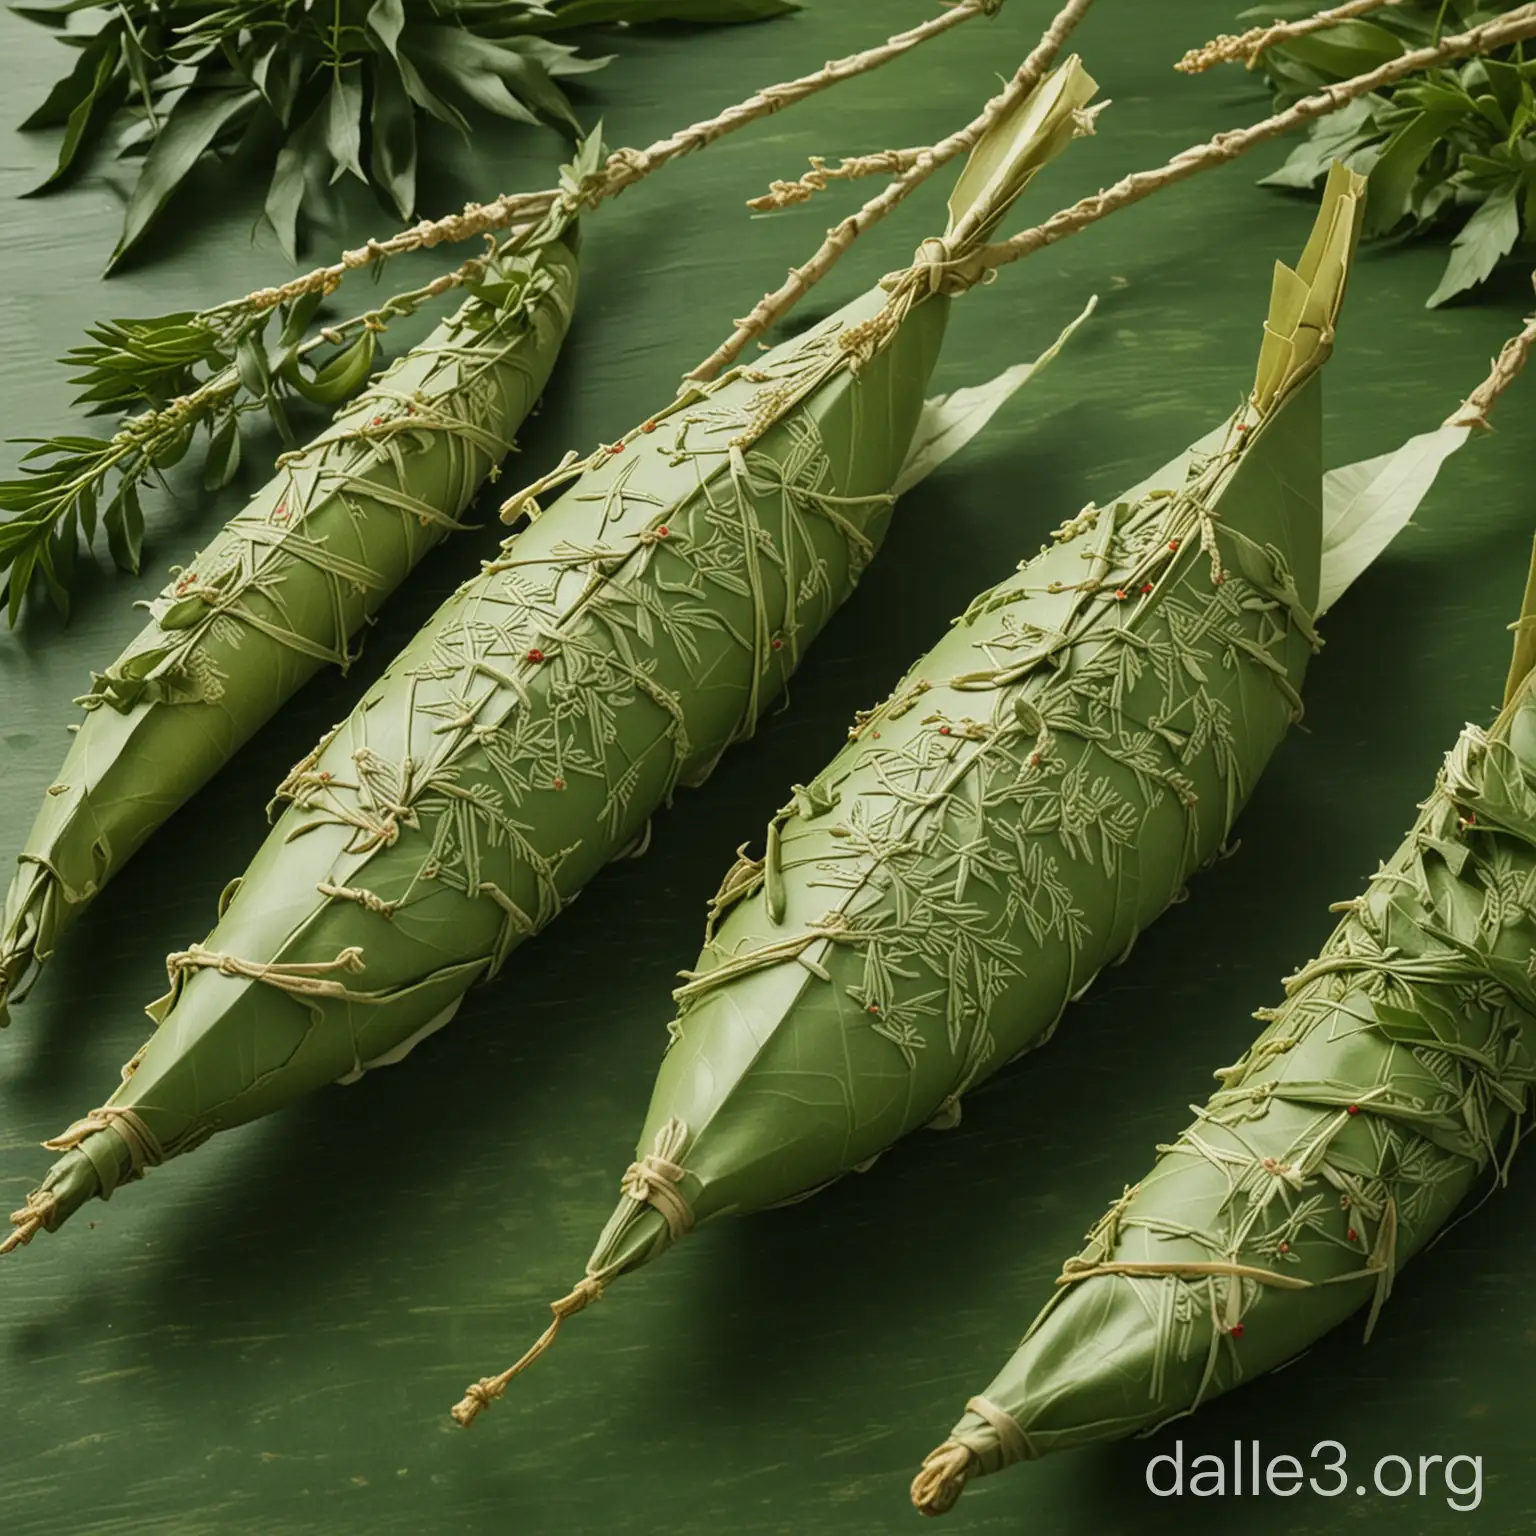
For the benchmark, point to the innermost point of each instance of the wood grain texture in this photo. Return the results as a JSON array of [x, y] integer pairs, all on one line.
[[266, 1337]]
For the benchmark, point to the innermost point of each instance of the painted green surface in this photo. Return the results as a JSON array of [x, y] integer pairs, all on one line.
[[266, 1338]]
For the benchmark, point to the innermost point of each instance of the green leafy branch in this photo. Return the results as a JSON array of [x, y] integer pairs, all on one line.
[[204, 371], [1449, 149], [321, 89], [198, 375]]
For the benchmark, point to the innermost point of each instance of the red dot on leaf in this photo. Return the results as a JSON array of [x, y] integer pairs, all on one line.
[[943, 730], [535, 654], [663, 531], [1353, 1235], [874, 1008], [1354, 1109], [1146, 587], [616, 448], [559, 783], [649, 426], [1120, 594], [777, 644], [1173, 544], [1236, 1330]]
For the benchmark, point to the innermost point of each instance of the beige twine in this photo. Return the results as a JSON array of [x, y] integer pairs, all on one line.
[[34, 1217], [1011, 1439], [654, 1179], [481, 1394], [651, 1180], [302, 978], [943, 1478], [144, 1148]]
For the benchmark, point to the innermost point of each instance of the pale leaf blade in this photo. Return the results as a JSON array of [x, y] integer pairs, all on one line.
[[1366, 505], [950, 421]]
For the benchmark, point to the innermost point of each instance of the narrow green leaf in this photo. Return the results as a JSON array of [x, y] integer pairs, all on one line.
[[20, 580], [1337, 137], [104, 91], [297, 316], [1366, 505], [50, 557], [1392, 177], [223, 456], [1487, 237], [79, 85], [392, 137], [386, 20], [195, 122], [1352, 47], [342, 376], [86, 503], [124, 522], [949, 422], [344, 123], [251, 362], [428, 99], [286, 191]]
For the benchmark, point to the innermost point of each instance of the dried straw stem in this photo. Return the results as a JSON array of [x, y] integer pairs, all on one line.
[[1473, 411], [888, 162], [1250, 45], [774, 305], [1227, 146], [623, 168], [942, 1479]]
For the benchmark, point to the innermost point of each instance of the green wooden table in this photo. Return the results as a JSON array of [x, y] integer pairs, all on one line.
[[266, 1337]]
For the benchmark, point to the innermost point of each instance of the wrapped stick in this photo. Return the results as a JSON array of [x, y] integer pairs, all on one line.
[[1396, 1072], [287, 583], [1034, 792], [639, 625], [283, 589], [1498, 32]]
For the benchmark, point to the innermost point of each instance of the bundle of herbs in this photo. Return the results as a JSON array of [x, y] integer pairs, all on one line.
[[1450, 149], [320, 91]]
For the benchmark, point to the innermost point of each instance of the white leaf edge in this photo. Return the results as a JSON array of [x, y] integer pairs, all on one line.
[[949, 422]]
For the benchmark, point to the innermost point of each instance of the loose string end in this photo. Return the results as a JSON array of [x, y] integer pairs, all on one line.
[[479, 1395], [943, 1478], [31, 1219]]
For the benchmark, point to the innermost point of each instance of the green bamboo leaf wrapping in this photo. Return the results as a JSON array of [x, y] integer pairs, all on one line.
[[1035, 791], [624, 639], [282, 589], [1396, 1072], [524, 738]]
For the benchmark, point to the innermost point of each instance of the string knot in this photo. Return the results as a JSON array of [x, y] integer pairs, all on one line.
[[654, 1179]]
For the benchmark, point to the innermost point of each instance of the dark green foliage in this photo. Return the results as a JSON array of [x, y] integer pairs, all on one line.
[[1447, 150], [324, 88]]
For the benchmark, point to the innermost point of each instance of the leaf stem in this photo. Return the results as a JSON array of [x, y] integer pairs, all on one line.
[[623, 168], [1230, 145], [1506, 368], [774, 305]]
